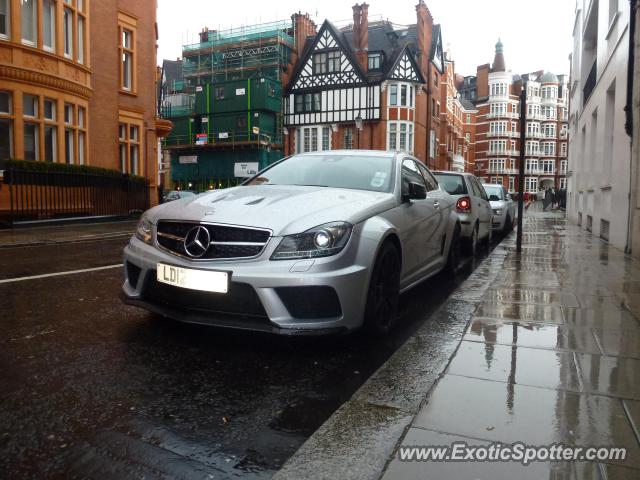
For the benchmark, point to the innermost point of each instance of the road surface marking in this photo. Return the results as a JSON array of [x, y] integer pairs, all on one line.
[[57, 274]]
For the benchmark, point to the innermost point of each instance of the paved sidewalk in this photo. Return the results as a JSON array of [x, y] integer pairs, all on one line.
[[544, 348], [76, 232], [552, 354]]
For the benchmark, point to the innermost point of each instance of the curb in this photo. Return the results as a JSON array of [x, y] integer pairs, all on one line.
[[359, 439]]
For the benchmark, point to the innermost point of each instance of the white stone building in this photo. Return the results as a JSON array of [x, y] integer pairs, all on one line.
[[599, 148]]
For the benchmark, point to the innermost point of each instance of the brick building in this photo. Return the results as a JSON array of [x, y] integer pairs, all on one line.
[[369, 85], [77, 83], [498, 128], [456, 150]]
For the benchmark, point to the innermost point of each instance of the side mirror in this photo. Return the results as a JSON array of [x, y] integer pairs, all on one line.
[[494, 198], [417, 191]]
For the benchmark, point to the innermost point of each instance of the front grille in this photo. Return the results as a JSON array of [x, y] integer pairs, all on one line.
[[241, 299], [310, 302], [226, 241]]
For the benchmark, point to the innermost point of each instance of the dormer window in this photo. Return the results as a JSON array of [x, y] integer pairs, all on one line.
[[375, 61]]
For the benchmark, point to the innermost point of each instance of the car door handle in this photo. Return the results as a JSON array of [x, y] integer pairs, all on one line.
[[436, 204]]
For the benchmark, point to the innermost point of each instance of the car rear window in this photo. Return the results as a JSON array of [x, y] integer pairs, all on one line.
[[452, 184], [494, 190]]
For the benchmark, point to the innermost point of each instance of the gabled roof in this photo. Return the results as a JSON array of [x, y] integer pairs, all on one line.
[[436, 53], [405, 67], [327, 37], [398, 47]]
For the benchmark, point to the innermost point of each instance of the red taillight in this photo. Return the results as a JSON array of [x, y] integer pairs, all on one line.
[[463, 205]]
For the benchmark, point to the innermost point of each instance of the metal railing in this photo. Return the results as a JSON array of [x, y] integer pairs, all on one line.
[[222, 138], [39, 195]]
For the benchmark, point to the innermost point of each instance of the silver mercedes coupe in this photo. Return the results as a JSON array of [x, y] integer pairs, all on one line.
[[316, 243]]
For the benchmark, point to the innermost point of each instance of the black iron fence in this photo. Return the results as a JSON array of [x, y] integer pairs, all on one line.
[[37, 194]]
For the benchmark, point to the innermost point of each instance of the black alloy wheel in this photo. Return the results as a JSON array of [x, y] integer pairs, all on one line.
[[384, 292]]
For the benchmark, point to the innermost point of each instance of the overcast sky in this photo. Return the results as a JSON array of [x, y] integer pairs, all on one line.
[[536, 35]]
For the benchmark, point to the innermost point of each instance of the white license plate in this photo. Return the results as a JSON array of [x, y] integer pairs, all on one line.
[[204, 280]]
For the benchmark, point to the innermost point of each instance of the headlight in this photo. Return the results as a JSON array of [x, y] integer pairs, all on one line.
[[321, 241], [143, 231], [497, 211]]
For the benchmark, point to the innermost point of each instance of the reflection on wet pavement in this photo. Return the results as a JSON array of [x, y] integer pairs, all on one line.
[[551, 354]]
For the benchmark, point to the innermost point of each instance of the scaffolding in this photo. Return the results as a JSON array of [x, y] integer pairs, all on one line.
[[254, 51]]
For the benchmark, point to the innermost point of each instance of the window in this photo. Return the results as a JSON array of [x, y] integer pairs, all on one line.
[[5, 18], [393, 130], [82, 135], [497, 146], [80, 39], [314, 138], [48, 25], [532, 148], [30, 106], [403, 95], [333, 62], [29, 15], [67, 31], [219, 93], [308, 102], [31, 141], [126, 68], [512, 183], [429, 179], [563, 149], [6, 125], [393, 94], [347, 138], [400, 136], [549, 131], [130, 147], [499, 89], [531, 184], [531, 166], [468, 118], [50, 131], [410, 174], [563, 184], [319, 63], [375, 61], [549, 148]]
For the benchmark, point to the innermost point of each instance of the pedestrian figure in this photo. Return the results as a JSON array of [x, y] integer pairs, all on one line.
[[548, 198]]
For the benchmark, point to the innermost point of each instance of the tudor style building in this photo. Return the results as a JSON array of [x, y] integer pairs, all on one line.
[[368, 85]]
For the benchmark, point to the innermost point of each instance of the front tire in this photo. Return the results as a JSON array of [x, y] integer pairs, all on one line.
[[381, 310], [508, 224]]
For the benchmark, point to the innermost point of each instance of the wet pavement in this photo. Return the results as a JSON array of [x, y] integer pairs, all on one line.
[[90, 388], [551, 354]]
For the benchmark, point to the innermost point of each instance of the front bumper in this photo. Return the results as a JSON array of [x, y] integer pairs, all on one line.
[[346, 274], [498, 221]]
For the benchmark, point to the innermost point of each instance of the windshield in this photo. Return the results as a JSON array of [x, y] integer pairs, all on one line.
[[450, 183], [336, 171], [494, 190]]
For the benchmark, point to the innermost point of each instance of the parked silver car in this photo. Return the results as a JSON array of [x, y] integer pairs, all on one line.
[[472, 205], [316, 243], [502, 206]]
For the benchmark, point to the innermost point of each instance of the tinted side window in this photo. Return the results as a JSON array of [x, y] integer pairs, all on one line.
[[481, 193], [473, 187], [410, 173], [432, 183]]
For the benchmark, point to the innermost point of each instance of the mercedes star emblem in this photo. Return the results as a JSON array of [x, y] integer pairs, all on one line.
[[197, 241]]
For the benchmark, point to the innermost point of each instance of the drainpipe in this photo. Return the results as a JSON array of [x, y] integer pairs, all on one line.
[[628, 126]]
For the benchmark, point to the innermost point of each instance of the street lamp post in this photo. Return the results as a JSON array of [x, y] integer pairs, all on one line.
[[523, 127]]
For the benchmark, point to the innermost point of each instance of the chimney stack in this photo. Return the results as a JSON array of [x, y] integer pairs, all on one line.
[[360, 38], [304, 27], [425, 32]]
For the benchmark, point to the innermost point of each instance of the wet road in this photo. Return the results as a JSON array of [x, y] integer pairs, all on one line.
[[92, 388]]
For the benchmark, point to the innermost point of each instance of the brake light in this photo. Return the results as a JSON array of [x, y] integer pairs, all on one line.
[[463, 205]]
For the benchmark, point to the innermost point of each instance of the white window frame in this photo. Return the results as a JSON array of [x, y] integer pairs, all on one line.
[[49, 6], [33, 42], [396, 130], [410, 93], [316, 134]]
